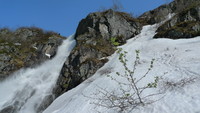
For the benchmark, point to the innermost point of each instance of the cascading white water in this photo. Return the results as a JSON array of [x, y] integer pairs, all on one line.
[[26, 89]]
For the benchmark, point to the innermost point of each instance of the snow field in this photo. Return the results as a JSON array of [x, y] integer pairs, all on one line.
[[174, 60]]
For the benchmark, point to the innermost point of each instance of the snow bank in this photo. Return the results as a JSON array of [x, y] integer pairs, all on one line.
[[174, 60]]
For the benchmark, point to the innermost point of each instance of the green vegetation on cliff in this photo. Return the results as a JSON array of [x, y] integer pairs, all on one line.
[[24, 47]]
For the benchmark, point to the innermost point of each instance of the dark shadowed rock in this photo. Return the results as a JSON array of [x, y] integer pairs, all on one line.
[[94, 45], [9, 109]]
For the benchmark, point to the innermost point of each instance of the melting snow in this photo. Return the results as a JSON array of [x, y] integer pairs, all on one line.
[[48, 55], [174, 60]]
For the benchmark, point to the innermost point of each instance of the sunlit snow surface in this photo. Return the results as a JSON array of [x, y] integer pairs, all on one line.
[[176, 58], [27, 88]]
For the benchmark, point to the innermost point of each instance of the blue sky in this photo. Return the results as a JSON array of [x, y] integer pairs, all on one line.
[[61, 16]]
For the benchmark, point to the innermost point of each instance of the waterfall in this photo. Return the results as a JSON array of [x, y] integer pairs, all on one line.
[[25, 90]]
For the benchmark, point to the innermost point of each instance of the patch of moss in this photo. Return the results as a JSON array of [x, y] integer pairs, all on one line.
[[65, 85], [190, 6], [3, 51], [95, 61], [18, 44], [183, 28], [101, 45], [18, 62], [114, 42], [142, 21], [126, 16], [183, 6], [192, 11], [2, 40]]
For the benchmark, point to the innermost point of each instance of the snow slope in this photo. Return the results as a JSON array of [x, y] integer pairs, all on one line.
[[174, 60]]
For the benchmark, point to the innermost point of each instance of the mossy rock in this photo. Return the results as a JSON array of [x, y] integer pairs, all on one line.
[[19, 46], [180, 30], [185, 24]]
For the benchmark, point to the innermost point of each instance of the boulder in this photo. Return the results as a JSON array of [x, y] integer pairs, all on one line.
[[94, 45], [109, 24]]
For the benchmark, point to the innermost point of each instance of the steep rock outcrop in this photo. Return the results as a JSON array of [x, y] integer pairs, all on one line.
[[94, 45], [25, 47], [185, 24], [159, 14]]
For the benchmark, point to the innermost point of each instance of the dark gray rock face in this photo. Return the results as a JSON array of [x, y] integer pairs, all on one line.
[[93, 37], [109, 24], [159, 14], [9, 109], [185, 24], [25, 47]]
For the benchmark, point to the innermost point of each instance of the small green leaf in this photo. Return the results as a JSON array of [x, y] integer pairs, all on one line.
[[127, 95]]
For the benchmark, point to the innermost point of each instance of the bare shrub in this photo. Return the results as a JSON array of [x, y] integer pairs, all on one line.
[[117, 6], [174, 85], [129, 94], [102, 9]]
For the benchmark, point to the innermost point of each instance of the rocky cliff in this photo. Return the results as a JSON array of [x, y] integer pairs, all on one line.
[[95, 32], [185, 23], [97, 37], [25, 47]]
